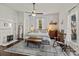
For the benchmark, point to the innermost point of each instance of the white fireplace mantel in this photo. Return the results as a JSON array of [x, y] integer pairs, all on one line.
[[6, 28], [8, 43]]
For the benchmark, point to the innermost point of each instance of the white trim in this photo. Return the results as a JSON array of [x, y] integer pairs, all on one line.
[[8, 43]]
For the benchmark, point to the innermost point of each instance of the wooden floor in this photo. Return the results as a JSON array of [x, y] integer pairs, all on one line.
[[19, 47], [4, 53]]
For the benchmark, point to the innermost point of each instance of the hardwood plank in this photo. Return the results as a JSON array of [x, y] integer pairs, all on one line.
[[5, 53]]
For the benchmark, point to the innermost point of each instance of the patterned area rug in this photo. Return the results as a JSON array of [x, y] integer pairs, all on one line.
[[48, 50]]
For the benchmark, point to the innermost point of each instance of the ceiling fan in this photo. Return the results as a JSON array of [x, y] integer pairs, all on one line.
[[33, 12]]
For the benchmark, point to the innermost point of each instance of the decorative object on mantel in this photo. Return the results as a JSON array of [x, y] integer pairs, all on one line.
[[5, 24]]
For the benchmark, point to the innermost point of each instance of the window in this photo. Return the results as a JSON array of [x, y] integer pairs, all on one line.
[[40, 24]]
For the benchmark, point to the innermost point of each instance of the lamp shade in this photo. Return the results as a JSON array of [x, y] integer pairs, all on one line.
[[33, 14]]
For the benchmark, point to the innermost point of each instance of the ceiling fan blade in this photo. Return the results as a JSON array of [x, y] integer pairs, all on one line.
[[38, 13], [33, 12]]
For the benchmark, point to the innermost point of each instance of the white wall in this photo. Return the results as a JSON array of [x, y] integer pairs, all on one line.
[[46, 19], [21, 18], [9, 15], [26, 24], [62, 16]]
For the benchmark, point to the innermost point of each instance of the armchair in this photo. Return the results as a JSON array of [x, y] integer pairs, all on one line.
[[57, 36]]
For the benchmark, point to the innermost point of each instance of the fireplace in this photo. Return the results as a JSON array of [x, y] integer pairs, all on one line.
[[9, 38]]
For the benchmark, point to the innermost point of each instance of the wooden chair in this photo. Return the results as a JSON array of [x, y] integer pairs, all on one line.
[[57, 36], [52, 34]]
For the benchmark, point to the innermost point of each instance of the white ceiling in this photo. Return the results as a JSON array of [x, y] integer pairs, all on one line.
[[40, 7]]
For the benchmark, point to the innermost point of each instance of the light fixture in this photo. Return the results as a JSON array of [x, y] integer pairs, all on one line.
[[33, 14], [32, 28]]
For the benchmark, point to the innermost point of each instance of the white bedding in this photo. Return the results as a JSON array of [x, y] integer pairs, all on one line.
[[38, 34], [45, 36]]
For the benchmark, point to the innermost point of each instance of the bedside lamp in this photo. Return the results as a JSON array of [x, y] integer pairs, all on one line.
[[52, 27], [32, 28], [52, 30]]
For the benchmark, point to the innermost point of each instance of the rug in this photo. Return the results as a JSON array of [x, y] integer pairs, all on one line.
[[48, 50]]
